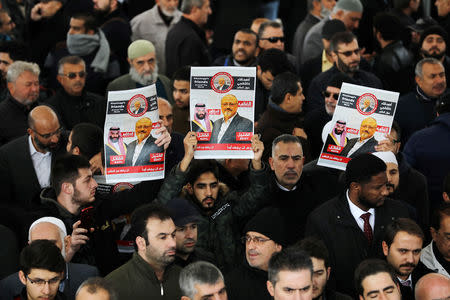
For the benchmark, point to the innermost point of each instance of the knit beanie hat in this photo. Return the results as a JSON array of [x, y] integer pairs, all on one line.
[[140, 48], [270, 223], [436, 29], [183, 211]]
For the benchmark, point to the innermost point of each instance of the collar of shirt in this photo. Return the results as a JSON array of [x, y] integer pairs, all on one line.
[[404, 281], [357, 212], [34, 152], [285, 189], [357, 145]]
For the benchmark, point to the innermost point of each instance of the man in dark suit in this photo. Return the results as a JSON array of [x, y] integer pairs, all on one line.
[[225, 129], [139, 151], [352, 224], [366, 142]]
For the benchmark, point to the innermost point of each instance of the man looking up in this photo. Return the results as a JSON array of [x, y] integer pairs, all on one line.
[[218, 209], [243, 51], [149, 274], [144, 68], [356, 218], [186, 42]]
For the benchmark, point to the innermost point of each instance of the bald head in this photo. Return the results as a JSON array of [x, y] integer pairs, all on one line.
[[44, 129], [42, 114], [433, 286]]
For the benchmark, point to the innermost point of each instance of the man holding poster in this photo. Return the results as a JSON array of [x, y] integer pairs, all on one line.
[[226, 128]]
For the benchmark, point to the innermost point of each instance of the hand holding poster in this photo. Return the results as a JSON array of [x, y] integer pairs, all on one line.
[[130, 150], [222, 111], [362, 118]]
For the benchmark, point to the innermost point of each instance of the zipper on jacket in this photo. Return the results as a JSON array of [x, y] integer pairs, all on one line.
[[162, 289]]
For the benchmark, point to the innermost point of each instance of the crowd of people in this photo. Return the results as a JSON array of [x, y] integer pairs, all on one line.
[[277, 226]]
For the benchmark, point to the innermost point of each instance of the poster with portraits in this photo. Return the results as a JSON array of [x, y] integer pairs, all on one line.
[[222, 111], [363, 117], [129, 135]]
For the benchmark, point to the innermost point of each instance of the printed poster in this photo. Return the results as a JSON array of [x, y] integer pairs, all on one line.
[[362, 118], [222, 111], [130, 151]]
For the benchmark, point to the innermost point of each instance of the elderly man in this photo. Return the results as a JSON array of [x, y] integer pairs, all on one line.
[[72, 102], [225, 129], [416, 110], [154, 24], [243, 51], [202, 280], [150, 273], [186, 42], [143, 71], [23, 85], [140, 150], [261, 241], [433, 286], [348, 11]]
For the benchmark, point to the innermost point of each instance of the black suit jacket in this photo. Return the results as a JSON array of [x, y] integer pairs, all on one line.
[[239, 124], [334, 224], [144, 157], [368, 147]]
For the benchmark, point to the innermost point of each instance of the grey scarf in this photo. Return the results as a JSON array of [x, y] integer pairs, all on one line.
[[84, 44]]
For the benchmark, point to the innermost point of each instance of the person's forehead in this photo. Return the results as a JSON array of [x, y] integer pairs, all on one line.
[[76, 22], [45, 231], [433, 36], [181, 84], [257, 234], [204, 289], [143, 122], [318, 263], [270, 31], [243, 36], [73, 67], [205, 178], [229, 99], [294, 279], [391, 166], [377, 281], [5, 56], [164, 109], [156, 226], [27, 76], [148, 56], [369, 121], [288, 148], [405, 239], [333, 89], [353, 45], [353, 15], [428, 69], [42, 274]]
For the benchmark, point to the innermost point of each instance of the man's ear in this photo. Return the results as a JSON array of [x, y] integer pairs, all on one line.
[[67, 188], [270, 288], [11, 87], [59, 78], [22, 277], [190, 189], [328, 272], [446, 197], [185, 298], [140, 242], [271, 163], [258, 71], [385, 248], [433, 233], [75, 150]]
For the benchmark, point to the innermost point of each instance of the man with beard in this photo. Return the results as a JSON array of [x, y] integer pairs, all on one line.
[[337, 137], [417, 109], [243, 51], [115, 146], [352, 224], [220, 210], [402, 245], [186, 217], [72, 102], [181, 97], [433, 43], [114, 24], [201, 122], [143, 71], [365, 143], [23, 85], [225, 129], [346, 56], [150, 274], [154, 24], [139, 151]]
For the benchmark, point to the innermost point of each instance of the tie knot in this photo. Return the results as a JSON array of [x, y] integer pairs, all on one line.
[[366, 216]]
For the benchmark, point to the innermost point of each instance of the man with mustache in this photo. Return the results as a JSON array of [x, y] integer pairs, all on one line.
[[416, 110], [225, 129], [402, 245], [139, 151], [150, 274], [73, 103], [201, 122], [366, 142], [243, 51]]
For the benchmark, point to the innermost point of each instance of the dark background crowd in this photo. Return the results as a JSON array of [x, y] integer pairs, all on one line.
[[276, 226]]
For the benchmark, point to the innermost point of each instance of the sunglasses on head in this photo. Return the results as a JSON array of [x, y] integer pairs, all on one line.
[[328, 94], [275, 39], [350, 52], [73, 75]]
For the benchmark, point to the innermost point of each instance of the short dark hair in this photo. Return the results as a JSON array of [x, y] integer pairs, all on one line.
[[17, 50], [446, 186], [90, 22], [183, 74], [201, 166], [288, 259], [275, 61], [65, 169], [283, 84], [264, 25], [388, 25], [315, 248], [361, 169], [88, 138], [442, 211], [286, 138], [140, 217], [341, 38], [96, 284], [370, 267], [249, 31], [397, 129], [41, 254], [402, 224]]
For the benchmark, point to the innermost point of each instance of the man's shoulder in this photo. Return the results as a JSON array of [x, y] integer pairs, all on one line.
[[122, 82], [17, 144], [95, 97], [329, 207], [83, 269], [148, 16]]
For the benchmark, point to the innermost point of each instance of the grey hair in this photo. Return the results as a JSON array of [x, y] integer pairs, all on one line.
[[310, 4], [188, 5], [200, 272], [71, 60], [18, 67], [428, 60], [96, 284]]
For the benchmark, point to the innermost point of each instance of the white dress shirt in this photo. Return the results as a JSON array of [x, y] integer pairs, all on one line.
[[357, 145], [138, 149], [357, 212], [224, 127], [42, 163]]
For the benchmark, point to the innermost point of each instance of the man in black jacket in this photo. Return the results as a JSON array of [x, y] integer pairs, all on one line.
[[352, 224], [186, 42]]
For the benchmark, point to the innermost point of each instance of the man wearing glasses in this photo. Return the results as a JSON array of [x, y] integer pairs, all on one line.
[[261, 241], [41, 270], [72, 102]]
